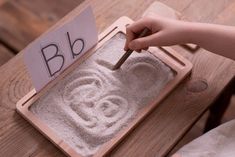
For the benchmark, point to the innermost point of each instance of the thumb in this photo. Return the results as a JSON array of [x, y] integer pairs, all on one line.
[[141, 43]]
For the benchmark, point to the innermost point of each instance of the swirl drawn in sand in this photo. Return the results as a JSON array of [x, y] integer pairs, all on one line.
[[100, 106], [144, 73]]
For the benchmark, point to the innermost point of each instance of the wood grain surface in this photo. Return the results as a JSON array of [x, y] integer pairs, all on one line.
[[23, 21], [163, 128], [5, 54]]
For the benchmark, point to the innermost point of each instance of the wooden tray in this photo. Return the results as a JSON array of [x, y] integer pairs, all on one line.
[[177, 63]]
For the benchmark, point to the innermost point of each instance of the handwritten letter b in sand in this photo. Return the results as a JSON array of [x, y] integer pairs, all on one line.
[[54, 51]]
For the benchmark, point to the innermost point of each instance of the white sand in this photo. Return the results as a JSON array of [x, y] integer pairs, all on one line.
[[93, 103]]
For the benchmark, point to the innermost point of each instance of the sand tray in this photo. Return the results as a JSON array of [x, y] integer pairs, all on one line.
[[89, 109]]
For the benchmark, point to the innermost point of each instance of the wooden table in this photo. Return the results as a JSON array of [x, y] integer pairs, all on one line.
[[163, 128]]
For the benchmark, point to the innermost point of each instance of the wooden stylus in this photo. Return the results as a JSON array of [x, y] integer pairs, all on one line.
[[129, 51]]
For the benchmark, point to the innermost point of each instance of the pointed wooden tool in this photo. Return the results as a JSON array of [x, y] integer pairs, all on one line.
[[129, 51]]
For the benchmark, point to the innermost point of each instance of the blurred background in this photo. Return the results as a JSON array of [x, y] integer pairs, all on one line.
[[21, 21]]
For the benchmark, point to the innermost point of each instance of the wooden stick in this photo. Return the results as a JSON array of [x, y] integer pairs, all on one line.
[[129, 51]]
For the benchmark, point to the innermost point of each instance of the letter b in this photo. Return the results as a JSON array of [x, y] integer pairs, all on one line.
[[53, 60], [77, 46]]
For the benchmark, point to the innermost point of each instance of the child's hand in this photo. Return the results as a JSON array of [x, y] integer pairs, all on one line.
[[164, 32]]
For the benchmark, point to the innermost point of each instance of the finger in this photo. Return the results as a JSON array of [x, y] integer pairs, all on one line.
[[138, 51], [134, 29], [139, 25], [146, 48], [144, 42], [129, 37]]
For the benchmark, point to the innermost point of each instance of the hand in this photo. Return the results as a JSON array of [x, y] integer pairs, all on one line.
[[164, 32]]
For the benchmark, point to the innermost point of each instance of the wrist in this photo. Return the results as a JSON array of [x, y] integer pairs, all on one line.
[[189, 32], [196, 32]]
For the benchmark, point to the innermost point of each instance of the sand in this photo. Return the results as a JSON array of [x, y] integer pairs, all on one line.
[[90, 105]]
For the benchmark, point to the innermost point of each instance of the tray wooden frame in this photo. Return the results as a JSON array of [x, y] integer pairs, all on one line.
[[181, 66]]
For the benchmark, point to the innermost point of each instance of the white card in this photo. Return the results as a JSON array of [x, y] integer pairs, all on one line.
[[49, 55]]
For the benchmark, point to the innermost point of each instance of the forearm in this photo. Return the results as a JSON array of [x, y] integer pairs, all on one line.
[[215, 38]]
